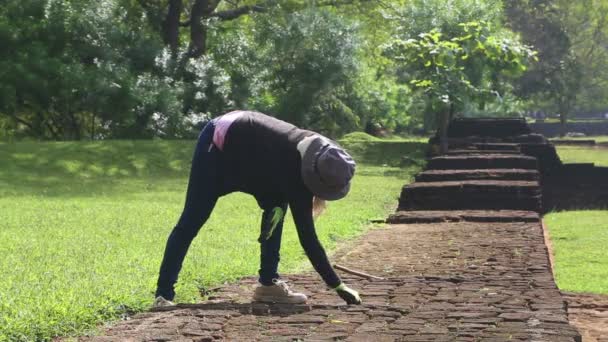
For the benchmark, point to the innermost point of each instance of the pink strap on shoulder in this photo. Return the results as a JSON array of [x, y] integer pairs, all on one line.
[[221, 127]]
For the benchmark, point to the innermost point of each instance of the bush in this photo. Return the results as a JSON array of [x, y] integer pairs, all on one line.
[[359, 136]]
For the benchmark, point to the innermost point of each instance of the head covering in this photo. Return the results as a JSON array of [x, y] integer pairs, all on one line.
[[326, 168]]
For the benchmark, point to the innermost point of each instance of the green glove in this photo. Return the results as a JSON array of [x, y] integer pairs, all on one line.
[[349, 295]]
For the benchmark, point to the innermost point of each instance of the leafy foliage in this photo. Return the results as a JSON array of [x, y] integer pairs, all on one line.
[[570, 37], [142, 69], [467, 66], [308, 78], [585, 81], [62, 70]]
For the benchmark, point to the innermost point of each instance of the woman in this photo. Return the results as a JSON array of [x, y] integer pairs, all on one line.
[[280, 165]]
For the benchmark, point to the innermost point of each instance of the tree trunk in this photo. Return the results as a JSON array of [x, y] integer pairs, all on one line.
[[564, 110], [451, 116], [444, 121], [74, 130], [170, 26], [92, 126], [429, 119], [38, 128], [198, 29]]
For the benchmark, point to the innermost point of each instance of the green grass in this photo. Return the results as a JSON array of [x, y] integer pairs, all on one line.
[[598, 138], [359, 136], [580, 237], [579, 241], [557, 120], [584, 154], [364, 137], [84, 226]]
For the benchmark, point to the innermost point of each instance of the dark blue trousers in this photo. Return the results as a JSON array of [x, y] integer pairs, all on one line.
[[201, 196]]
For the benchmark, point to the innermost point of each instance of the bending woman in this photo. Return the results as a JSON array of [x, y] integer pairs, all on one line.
[[280, 165]]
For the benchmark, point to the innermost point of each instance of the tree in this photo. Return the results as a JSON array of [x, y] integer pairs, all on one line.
[[100, 69], [139, 69], [584, 23], [557, 74], [466, 68], [299, 66], [62, 73], [416, 17], [301, 51], [169, 17]]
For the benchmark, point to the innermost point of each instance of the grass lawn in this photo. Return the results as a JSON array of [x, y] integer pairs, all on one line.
[[598, 138], [584, 154], [364, 137], [579, 241], [580, 237], [83, 228]]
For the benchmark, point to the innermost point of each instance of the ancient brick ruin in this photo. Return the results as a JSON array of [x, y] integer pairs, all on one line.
[[499, 142]]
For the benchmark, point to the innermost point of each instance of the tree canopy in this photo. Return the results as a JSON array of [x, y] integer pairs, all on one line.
[[470, 66], [84, 69]]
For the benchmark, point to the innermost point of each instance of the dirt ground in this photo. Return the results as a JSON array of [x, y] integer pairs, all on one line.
[[589, 314]]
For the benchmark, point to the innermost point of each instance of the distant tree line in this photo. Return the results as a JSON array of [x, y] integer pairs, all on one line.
[[83, 69]]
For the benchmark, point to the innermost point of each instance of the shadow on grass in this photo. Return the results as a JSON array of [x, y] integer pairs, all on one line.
[[105, 167], [85, 168]]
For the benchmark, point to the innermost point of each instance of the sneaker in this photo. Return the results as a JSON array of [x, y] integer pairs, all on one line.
[[160, 301], [278, 292]]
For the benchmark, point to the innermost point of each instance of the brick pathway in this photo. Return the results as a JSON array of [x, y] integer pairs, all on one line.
[[463, 281]]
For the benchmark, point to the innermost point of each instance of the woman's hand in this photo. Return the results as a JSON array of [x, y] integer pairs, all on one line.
[[349, 295]]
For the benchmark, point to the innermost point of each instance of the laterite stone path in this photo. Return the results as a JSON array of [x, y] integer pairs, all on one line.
[[463, 281]]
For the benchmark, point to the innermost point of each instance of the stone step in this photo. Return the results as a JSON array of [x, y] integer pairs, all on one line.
[[497, 146], [482, 152], [482, 161], [487, 127], [479, 174], [483, 186], [436, 216], [471, 194]]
